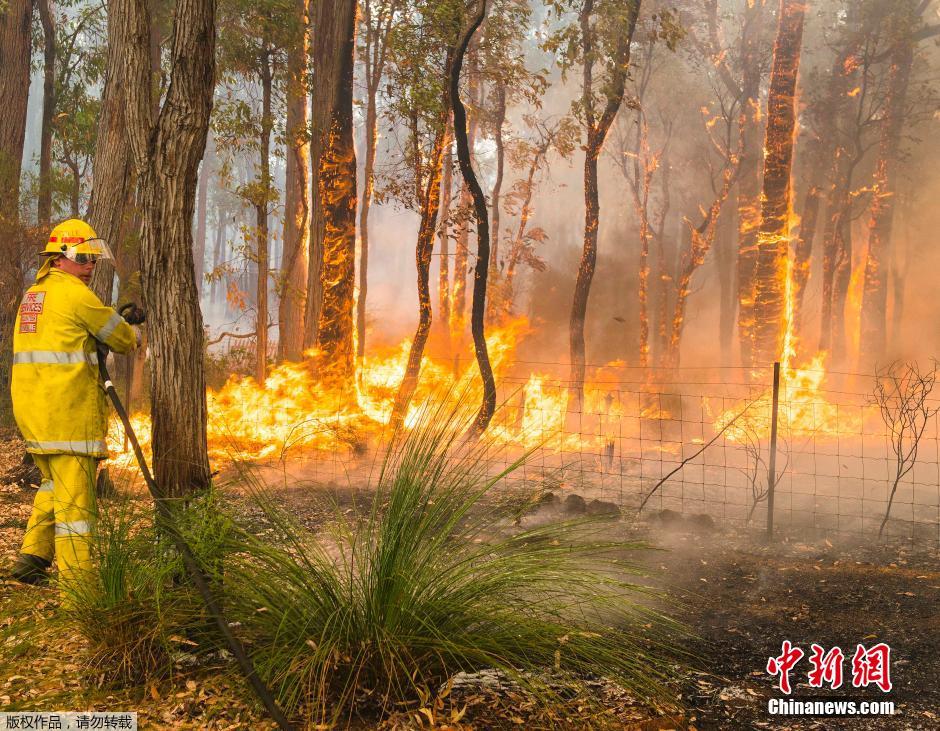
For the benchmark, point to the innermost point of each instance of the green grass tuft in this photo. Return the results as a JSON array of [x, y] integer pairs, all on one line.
[[428, 580]]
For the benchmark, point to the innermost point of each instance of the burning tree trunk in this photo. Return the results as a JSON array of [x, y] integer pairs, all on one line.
[[481, 270], [430, 198], [804, 249], [596, 130], [728, 303], [874, 299], [494, 272], [166, 148], [771, 271], [333, 230], [693, 257], [262, 195], [15, 21], [296, 197], [44, 202], [749, 176]]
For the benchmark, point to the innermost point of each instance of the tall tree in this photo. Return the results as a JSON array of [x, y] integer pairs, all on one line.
[[377, 18], [166, 147], [771, 271], [333, 224], [15, 20], [112, 193], [604, 32], [905, 27], [481, 269], [421, 53], [294, 261], [44, 201]]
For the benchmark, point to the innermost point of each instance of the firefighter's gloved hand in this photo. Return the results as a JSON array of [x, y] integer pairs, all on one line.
[[132, 314]]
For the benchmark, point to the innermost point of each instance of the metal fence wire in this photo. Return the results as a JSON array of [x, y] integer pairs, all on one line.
[[697, 442]]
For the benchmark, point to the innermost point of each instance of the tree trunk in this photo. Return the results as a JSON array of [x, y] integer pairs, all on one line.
[[367, 191], [770, 275], [874, 324], [481, 269], [728, 303], [494, 273], [803, 250], [458, 305], [377, 30], [44, 202], [333, 230], [596, 131], [16, 17], [217, 256], [15, 22], [701, 240], [430, 204], [443, 233], [296, 198], [112, 195], [261, 222], [166, 149], [749, 175], [202, 199]]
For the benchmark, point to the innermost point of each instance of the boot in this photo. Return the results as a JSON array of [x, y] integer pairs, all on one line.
[[30, 569]]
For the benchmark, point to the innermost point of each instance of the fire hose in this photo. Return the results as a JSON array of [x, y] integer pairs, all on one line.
[[164, 517]]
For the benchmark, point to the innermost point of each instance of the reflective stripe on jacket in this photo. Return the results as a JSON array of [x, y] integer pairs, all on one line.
[[58, 402]]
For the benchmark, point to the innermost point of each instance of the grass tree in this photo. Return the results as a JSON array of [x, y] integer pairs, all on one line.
[[381, 607]]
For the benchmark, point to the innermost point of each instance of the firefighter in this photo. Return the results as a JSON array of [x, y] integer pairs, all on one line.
[[58, 402]]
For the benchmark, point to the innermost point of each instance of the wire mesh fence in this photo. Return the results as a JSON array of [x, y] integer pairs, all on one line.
[[696, 441]]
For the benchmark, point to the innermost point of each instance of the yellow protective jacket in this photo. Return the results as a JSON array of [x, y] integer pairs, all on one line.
[[58, 401]]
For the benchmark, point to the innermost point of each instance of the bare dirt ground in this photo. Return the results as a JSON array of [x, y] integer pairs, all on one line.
[[739, 596]]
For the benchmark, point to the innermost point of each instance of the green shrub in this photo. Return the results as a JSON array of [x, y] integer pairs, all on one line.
[[137, 611], [385, 605]]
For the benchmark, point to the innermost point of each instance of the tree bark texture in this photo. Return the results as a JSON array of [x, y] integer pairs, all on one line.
[[874, 323], [296, 238], [333, 226], [771, 270], [481, 268], [166, 147], [749, 176], [16, 17], [44, 201], [596, 132], [15, 22], [112, 195]]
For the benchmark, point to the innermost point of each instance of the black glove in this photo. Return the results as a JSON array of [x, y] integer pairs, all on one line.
[[132, 314]]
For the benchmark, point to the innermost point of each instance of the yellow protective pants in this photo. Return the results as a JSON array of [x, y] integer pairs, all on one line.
[[63, 516]]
